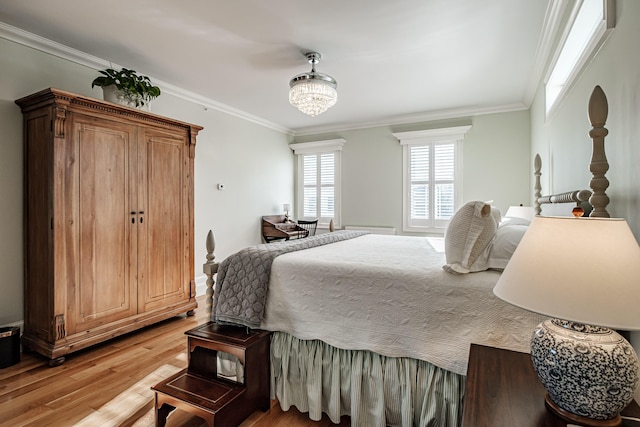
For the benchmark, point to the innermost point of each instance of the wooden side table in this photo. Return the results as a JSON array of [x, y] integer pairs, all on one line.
[[200, 391], [503, 390]]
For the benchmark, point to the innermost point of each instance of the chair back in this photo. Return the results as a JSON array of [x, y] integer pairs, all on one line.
[[310, 226]]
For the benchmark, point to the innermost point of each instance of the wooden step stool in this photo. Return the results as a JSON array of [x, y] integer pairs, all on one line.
[[199, 391]]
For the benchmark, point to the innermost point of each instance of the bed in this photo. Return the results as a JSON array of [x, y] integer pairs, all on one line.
[[378, 327]]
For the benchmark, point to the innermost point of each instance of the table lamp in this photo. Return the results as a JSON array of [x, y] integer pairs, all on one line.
[[585, 274], [526, 212], [286, 207]]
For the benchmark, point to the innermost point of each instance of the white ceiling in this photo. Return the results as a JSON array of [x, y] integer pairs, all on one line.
[[395, 61]]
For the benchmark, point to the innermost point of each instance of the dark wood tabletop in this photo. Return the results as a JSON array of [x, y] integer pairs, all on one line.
[[503, 390]]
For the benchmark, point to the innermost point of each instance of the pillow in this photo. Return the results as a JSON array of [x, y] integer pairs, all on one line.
[[504, 244], [514, 220], [467, 237]]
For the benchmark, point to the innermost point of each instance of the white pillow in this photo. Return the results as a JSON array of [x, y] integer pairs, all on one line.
[[504, 244], [514, 220], [468, 235]]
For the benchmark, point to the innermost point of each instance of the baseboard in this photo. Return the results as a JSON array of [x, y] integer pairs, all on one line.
[[201, 285]]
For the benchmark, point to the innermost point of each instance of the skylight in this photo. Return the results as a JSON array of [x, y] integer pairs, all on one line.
[[590, 24]]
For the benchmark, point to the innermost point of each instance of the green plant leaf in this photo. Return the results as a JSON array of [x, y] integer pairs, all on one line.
[[136, 87]]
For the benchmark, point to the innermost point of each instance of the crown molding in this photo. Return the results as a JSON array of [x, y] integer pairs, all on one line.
[[42, 44], [51, 47], [455, 113]]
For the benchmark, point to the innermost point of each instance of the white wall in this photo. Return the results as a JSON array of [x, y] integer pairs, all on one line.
[[496, 160], [495, 166], [253, 161], [564, 143], [256, 167]]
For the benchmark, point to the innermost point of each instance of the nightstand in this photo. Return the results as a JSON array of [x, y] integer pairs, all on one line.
[[503, 390]]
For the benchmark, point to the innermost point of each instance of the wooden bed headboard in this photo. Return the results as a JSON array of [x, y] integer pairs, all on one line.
[[593, 202]]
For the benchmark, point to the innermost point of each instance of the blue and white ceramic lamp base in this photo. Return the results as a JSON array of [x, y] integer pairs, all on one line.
[[590, 373]]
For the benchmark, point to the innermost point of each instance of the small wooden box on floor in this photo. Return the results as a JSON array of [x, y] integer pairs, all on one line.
[[503, 390], [199, 390]]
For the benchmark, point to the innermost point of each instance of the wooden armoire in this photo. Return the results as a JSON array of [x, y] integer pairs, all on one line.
[[108, 221]]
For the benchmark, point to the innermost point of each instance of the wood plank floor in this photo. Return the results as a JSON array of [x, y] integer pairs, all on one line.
[[109, 384]]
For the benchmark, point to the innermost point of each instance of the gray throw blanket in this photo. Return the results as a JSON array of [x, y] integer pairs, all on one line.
[[243, 278]]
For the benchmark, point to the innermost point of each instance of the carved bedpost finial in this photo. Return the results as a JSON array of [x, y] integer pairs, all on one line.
[[598, 108], [537, 164], [211, 246], [210, 268], [598, 111]]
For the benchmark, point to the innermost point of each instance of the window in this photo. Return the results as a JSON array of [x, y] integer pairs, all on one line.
[[431, 177], [318, 180], [588, 27]]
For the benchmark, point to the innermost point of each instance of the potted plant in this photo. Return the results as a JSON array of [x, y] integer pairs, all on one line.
[[126, 87]]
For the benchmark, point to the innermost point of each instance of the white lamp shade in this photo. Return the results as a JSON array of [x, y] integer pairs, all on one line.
[[526, 212], [582, 269]]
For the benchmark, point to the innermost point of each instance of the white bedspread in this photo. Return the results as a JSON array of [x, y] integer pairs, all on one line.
[[390, 295]]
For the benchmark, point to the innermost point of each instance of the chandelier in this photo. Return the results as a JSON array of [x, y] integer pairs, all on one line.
[[313, 93]]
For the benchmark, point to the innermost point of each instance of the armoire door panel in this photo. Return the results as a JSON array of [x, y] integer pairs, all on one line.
[[106, 289], [161, 244]]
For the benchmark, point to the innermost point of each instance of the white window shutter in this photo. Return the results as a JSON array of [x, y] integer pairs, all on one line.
[[318, 180], [431, 177]]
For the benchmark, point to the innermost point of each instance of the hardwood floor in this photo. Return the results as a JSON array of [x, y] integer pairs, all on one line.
[[109, 384]]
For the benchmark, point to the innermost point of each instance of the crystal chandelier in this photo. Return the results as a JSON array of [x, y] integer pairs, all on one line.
[[313, 93]]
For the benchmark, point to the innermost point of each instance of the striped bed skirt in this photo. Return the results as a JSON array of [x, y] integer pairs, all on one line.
[[373, 390]]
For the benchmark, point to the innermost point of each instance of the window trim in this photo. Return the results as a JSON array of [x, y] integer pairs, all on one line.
[[320, 147], [428, 137], [591, 47]]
